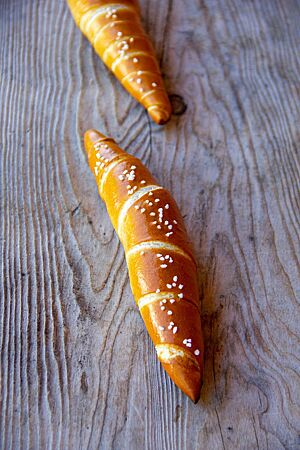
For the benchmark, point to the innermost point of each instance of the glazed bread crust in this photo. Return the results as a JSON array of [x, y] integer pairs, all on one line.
[[114, 29], [159, 255]]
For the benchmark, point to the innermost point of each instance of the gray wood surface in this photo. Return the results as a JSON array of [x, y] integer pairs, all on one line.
[[78, 370]]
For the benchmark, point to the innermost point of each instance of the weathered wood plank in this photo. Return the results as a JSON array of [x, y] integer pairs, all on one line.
[[77, 368]]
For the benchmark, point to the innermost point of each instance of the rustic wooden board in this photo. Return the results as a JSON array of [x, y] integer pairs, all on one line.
[[78, 370]]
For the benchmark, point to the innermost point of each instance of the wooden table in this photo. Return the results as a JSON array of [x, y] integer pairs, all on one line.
[[78, 370]]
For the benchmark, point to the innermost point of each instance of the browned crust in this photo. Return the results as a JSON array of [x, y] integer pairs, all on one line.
[[162, 268], [120, 40], [153, 268]]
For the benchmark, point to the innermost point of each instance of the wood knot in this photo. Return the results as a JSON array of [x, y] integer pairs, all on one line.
[[177, 413], [83, 384], [178, 105]]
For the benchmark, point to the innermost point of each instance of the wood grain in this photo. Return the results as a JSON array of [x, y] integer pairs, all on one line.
[[78, 370]]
